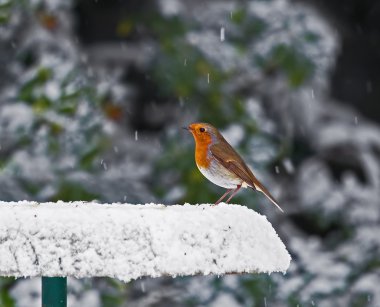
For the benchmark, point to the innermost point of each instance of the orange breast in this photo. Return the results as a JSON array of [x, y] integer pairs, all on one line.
[[201, 153]]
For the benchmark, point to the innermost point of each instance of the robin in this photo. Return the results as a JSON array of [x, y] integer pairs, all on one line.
[[221, 164]]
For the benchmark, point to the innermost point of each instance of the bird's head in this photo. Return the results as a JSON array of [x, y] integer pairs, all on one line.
[[203, 133]]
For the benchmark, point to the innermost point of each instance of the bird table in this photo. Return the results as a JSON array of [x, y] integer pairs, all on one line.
[[125, 241]]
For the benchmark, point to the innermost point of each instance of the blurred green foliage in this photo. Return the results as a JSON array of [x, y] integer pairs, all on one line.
[[5, 284], [5, 11], [297, 67]]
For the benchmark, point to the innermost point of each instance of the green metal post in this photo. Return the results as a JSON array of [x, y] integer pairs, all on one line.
[[54, 291]]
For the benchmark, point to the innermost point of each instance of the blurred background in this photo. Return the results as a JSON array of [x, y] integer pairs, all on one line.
[[93, 95]]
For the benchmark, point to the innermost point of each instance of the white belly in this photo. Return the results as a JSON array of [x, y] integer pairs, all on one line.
[[221, 176]]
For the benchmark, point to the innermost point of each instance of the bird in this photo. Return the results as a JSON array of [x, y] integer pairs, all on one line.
[[218, 161]]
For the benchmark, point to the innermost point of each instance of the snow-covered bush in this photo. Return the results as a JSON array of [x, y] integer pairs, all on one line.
[[57, 117]]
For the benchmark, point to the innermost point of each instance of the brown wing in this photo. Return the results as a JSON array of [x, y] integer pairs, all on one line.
[[232, 161]]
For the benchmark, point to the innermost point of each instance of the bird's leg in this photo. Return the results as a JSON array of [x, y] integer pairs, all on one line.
[[223, 196], [233, 193]]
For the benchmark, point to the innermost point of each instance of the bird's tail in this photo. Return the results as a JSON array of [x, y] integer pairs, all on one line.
[[258, 186]]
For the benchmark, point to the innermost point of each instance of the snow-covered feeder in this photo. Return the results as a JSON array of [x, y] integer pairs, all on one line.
[[127, 241]]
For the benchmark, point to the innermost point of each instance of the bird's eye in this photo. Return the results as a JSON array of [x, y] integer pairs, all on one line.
[[202, 129]]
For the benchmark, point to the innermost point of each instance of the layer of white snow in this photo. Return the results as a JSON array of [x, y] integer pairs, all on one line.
[[127, 241]]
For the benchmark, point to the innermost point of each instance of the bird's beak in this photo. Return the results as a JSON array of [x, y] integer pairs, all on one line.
[[186, 128]]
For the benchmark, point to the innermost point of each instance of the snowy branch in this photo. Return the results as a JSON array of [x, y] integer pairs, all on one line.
[[130, 241]]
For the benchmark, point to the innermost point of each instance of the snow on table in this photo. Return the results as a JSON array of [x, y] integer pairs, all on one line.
[[128, 241]]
